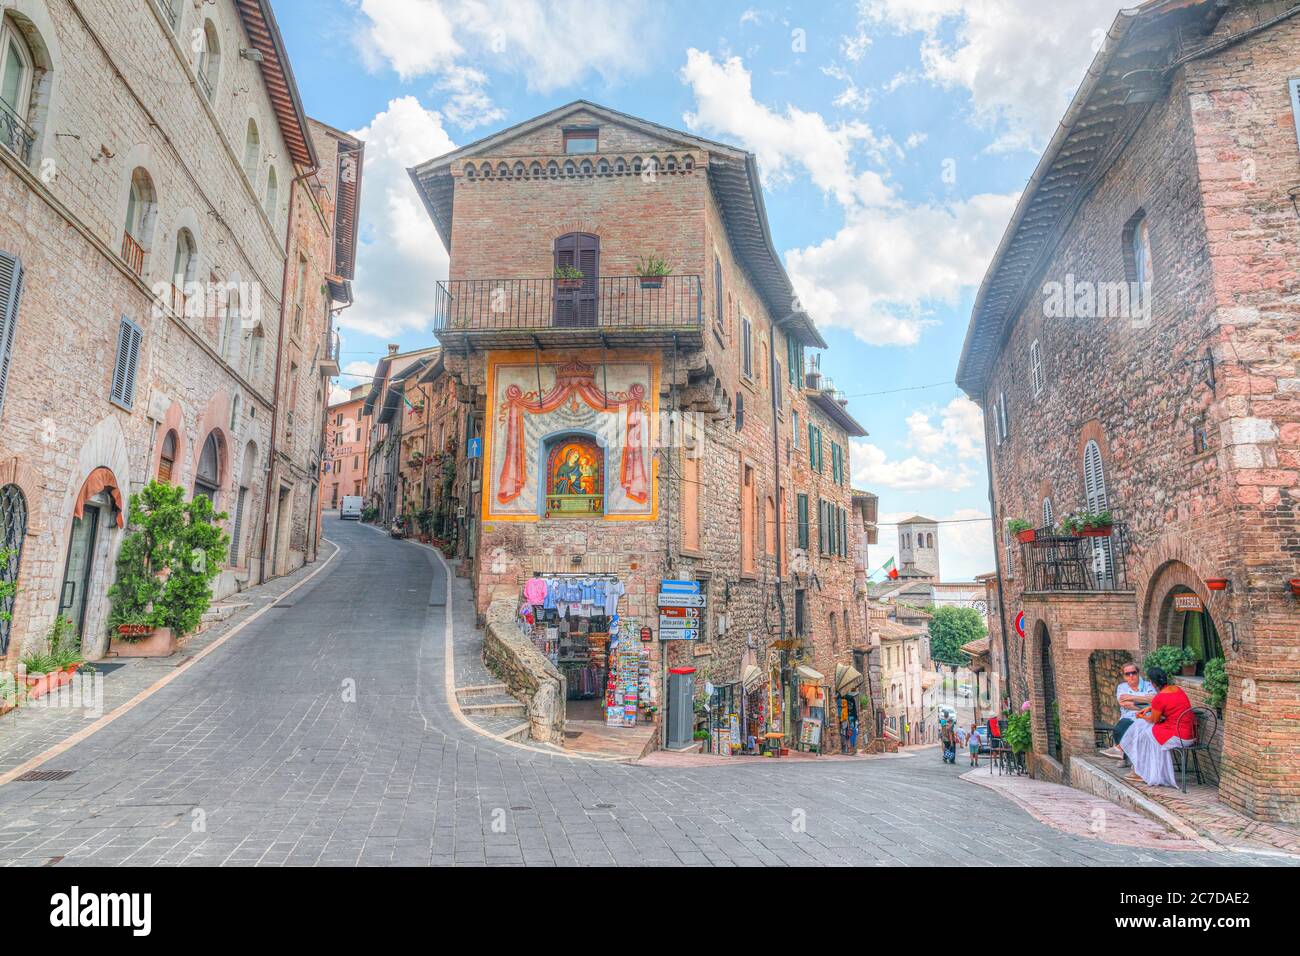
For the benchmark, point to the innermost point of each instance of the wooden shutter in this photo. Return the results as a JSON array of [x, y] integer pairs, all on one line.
[[1096, 500], [11, 290], [812, 446], [577, 307], [821, 526], [122, 390], [802, 501], [740, 412], [236, 533]]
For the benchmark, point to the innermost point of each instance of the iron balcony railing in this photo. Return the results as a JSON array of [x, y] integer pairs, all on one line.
[[15, 134], [626, 303], [1054, 561]]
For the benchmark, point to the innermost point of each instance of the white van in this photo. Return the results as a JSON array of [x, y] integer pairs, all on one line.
[[350, 509]]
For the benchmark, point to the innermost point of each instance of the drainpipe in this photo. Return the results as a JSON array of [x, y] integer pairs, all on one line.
[[279, 355]]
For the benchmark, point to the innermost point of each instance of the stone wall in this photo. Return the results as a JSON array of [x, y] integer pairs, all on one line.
[[528, 674]]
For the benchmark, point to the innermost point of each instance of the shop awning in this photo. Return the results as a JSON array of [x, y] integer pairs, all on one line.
[[101, 479], [810, 675], [847, 679], [751, 676]]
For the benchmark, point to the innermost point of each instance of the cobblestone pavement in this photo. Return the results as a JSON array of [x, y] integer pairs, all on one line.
[[321, 734]]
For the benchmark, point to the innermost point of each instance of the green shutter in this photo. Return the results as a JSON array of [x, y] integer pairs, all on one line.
[[803, 521], [812, 446], [821, 526]]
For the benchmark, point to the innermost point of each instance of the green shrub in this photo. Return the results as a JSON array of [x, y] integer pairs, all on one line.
[[1168, 657], [61, 649], [1216, 682], [1018, 732]]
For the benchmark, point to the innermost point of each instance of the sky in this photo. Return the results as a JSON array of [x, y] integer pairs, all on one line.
[[893, 138]]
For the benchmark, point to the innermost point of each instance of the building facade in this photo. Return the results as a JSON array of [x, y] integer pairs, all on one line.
[[144, 235], [642, 428], [1145, 368], [347, 449]]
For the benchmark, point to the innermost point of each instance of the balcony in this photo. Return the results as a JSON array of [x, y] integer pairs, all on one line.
[[602, 310], [16, 135], [1055, 562], [133, 253], [329, 363]]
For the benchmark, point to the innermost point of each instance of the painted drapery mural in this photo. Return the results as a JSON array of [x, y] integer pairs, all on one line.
[[577, 442]]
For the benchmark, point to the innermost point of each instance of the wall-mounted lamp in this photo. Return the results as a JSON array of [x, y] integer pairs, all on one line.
[[1233, 642]]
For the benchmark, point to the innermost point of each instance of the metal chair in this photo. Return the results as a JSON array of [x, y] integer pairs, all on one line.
[[1199, 724]]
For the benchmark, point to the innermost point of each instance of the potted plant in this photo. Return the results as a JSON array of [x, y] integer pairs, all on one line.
[[1088, 524], [568, 277], [651, 271], [173, 551], [1216, 683], [52, 668], [1172, 659], [1018, 732], [1022, 529]]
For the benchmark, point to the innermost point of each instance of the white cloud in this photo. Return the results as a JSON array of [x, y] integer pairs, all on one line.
[[1019, 66], [887, 266], [551, 45], [872, 468], [856, 46], [354, 373], [400, 255], [960, 430], [965, 543], [725, 107]]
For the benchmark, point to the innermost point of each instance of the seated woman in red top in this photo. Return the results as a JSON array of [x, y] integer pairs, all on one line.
[[1165, 724]]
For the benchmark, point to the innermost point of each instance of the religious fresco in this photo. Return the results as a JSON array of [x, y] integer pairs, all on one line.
[[570, 440]]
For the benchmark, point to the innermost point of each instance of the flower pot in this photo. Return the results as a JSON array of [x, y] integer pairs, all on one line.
[[40, 684], [1189, 670], [1102, 532], [1217, 584], [568, 284], [1026, 536], [1295, 587], [161, 643], [651, 282]]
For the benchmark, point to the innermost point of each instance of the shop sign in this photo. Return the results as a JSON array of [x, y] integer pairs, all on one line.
[[1187, 602], [646, 634]]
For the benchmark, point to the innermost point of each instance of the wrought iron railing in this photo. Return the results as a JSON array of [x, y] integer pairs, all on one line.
[[16, 134], [1054, 561], [205, 84], [169, 10], [626, 303]]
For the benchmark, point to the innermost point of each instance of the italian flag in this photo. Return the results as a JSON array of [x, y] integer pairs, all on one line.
[[891, 572]]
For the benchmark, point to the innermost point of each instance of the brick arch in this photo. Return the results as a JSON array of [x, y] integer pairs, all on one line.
[[214, 419], [567, 226], [1174, 561], [174, 420]]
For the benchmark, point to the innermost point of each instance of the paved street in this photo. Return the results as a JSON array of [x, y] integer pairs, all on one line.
[[258, 754]]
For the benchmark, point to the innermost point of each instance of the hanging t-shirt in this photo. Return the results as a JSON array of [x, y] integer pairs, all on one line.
[[535, 590], [613, 591]]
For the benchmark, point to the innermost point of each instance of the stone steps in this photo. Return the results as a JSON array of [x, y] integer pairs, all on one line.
[[468, 695], [501, 707]]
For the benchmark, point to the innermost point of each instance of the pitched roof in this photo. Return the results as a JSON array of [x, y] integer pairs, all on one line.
[[1128, 74], [733, 174], [837, 413], [277, 74]]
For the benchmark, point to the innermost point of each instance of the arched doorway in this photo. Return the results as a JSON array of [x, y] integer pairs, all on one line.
[[1051, 718], [98, 508], [1186, 623], [207, 480]]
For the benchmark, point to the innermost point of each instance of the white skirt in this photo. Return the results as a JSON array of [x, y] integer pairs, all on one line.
[[1150, 758]]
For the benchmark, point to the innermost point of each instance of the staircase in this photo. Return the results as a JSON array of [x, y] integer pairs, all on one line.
[[493, 708]]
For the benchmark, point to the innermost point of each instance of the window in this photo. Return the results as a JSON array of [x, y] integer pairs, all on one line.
[[122, 388], [1000, 418], [208, 479], [209, 60], [228, 344], [575, 477], [171, 11], [167, 458], [1200, 637], [1096, 500], [821, 527], [748, 519], [16, 72], [717, 292], [835, 630], [769, 525], [577, 307], [1036, 368], [794, 427], [1137, 235], [578, 141], [746, 347], [141, 210], [272, 198], [800, 611], [11, 290], [299, 291], [801, 504], [776, 384], [185, 261], [252, 152], [13, 530], [740, 412], [814, 448], [837, 463]]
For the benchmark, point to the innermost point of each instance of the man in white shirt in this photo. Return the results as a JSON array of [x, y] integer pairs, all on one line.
[[1133, 693]]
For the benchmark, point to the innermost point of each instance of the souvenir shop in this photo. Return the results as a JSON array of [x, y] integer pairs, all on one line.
[[811, 702], [848, 685], [574, 620]]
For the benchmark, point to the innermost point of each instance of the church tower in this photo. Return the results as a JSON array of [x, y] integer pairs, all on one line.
[[918, 548]]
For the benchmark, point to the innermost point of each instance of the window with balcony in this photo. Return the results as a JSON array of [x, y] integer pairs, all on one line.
[[577, 268], [141, 211], [17, 69]]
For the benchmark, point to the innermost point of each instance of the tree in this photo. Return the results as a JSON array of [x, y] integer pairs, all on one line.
[[950, 628]]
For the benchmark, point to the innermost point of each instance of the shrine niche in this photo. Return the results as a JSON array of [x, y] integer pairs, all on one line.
[[570, 440], [575, 478]]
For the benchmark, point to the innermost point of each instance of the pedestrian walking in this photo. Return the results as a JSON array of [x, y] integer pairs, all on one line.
[[973, 745]]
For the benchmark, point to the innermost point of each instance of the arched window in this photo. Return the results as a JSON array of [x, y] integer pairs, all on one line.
[[209, 60], [185, 262], [13, 529], [848, 634], [1138, 236], [575, 477], [17, 69], [228, 344], [252, 152], [1096, 501], [929, 540], [141, 211], [208, 480], [167, 458], [272, 198]]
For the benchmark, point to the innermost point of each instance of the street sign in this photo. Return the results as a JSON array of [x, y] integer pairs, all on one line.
[[680, 600], [679, 587], [474, 448], [679, 634], [679, 612]]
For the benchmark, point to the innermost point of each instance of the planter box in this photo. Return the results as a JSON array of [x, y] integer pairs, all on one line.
[[38, 686], [1094, 532], [651, 282], [161, 643], [568, 284], [1026, 536]]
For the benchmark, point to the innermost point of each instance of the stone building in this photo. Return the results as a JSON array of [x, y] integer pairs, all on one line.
[[918, 548], [390, 400], [347, 449], [637, 428], [149, 154], [1133, 348]]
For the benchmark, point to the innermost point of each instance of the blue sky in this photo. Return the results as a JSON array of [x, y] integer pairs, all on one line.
[[893, 136]]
